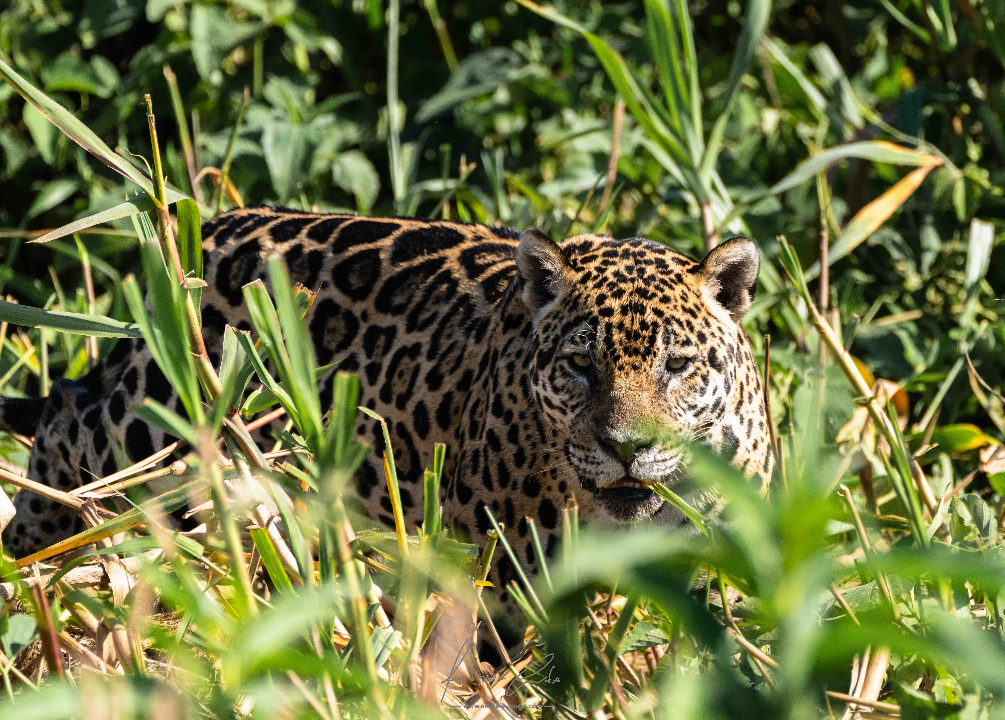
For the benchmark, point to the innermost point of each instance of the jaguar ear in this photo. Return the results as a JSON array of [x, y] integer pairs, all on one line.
[[729, 274], [542, 267]]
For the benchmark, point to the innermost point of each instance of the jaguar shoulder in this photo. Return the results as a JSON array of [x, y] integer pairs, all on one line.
[[543, 367]]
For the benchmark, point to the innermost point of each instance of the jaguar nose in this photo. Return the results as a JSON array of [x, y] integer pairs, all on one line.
[[625, 446]]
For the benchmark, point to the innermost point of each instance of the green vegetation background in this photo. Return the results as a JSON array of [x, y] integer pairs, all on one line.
[[507, 115], [528, 103]]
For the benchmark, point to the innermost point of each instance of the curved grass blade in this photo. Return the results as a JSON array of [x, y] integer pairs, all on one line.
[[73, 128], [671, 497], [136, 204], [69, 322], [873, 150]]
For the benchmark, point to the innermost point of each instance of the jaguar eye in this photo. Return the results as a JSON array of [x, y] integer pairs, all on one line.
[[676, 364], [580, 361]]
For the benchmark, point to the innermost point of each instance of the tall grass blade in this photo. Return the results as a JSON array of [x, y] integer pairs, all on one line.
[[534, 600], [754, 22], [190, 245], [391, 476]]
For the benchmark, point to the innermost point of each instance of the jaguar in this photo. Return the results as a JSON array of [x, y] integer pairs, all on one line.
[[547, 370]]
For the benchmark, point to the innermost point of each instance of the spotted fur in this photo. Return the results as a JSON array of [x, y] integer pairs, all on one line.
[[545, 368]]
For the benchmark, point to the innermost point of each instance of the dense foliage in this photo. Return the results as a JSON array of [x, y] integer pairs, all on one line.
[[868, 133]]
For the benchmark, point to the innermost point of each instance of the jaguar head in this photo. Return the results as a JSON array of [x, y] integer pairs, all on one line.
[[635, 354]]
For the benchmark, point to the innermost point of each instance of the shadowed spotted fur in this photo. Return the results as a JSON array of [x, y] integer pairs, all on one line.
[[543, 367]]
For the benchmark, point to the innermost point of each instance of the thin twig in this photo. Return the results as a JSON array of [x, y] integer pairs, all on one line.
[[884, 585], [39, 489], [843, 603], [50, 645], [708, 227], [874, 704], [776, 447], [612, 163], [229, 156]]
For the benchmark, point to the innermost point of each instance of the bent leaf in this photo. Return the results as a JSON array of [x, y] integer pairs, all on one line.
[[872, 216], [873, 150], [960, 437]]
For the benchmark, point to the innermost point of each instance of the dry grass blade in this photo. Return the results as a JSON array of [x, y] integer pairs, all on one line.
[[79, 577], [612, 163], [7, 510], [85, 656], [129, 471], [45, 491], [872, 216], [888, 708], [50, 645]]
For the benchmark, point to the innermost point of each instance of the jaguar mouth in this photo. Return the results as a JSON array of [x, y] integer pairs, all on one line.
[[628, 499]]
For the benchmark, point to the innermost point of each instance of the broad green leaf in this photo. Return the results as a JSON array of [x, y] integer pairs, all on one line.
[[643, 635], [19, 633], [480, 73], [42, 132], [979, 242], [959, 438], [353, 172], [68, 73], [285, 148], [52, 194], [76, 323], [107, 18], [985, 519]]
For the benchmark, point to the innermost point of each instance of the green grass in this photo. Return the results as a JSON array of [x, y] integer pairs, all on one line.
[[859, 144]]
